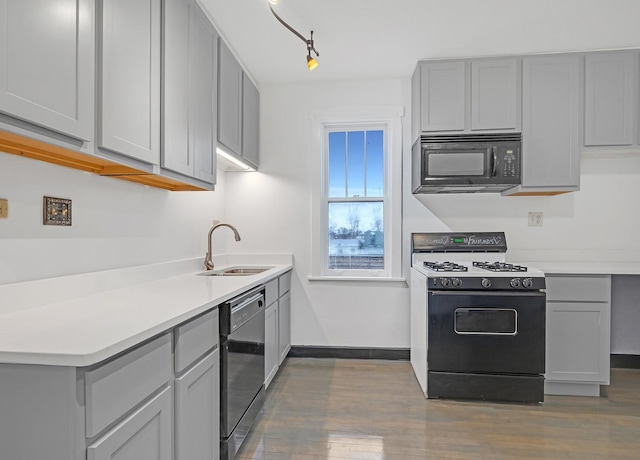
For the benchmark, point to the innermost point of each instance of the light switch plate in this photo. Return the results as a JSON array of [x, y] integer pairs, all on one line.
[[56, 211], [4, 208]]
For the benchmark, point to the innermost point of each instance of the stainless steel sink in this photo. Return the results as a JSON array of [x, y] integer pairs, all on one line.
[[235, 271]]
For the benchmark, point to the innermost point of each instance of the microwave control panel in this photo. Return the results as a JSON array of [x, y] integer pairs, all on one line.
[[508, 163]]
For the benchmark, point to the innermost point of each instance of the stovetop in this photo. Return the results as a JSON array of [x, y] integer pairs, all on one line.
[[449, 259]]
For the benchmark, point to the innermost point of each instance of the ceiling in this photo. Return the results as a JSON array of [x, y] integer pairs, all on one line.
[[374, 39]]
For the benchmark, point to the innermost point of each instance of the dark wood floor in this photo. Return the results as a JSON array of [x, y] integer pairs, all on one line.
[[370, 410]]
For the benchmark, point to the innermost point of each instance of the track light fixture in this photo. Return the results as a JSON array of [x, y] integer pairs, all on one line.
[[311, 62]]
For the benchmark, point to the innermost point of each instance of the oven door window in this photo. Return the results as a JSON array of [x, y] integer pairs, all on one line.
[[485, 321], [456, 163]]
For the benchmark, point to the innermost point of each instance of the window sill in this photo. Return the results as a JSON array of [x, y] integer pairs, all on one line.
[[365, 279]]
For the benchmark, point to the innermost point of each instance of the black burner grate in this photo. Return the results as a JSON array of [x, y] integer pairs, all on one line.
[[500, 267], [445, 267]]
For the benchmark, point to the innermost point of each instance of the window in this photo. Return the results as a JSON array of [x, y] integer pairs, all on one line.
[[357, 198]]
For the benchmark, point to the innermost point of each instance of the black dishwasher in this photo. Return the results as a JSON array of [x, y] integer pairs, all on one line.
[[241, 368]]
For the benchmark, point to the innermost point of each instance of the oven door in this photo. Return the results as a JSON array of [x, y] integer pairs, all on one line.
[[486, 332]]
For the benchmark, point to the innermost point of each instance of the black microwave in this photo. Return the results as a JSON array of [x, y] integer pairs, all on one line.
[[466, 163]]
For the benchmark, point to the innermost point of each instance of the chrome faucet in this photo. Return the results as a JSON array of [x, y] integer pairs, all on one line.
[[208, 262]]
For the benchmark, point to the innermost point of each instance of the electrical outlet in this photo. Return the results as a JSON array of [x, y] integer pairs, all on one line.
[[4, 209], [535, 219]]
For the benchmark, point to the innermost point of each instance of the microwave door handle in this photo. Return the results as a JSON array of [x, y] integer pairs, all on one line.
[[494, 162]]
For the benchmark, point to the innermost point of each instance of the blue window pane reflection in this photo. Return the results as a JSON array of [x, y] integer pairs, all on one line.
[[337, 164], [356, 161], [375, 163]]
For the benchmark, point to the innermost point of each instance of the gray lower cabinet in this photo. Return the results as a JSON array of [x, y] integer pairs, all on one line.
[[277, 324], [284, 315], [128, 83], [46, 77], [189, 91], [197, 402], [284, 326], [550, 125], [578, 334], [144, 435], [611, 99], [157, 401], [271, 355], [238, 109]]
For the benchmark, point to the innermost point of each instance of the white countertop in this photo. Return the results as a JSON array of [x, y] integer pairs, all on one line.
[[585, 268], [81, 331]]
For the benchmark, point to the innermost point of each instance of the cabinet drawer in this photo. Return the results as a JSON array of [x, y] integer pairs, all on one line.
[[119, 386], [194, 339], [579, 288], [285, 283], [271, 292]]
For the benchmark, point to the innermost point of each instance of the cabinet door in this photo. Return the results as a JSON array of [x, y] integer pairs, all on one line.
[[176, 153], [229, 100], [144, 435], [494, 96], [250, 121], [189, 91], [610, 105], [203, 89], [442, 96], [271, 353], [578, 344], [129, 78], [46, 63], [284, 326], [550, 122], [197, 401]]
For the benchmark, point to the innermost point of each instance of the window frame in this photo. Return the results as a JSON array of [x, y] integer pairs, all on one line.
[[387, 119]]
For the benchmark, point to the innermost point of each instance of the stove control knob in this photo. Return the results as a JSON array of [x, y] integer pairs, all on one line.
[[445, 282], [486, 282], [457, 282], [515, 282], [527, 282]]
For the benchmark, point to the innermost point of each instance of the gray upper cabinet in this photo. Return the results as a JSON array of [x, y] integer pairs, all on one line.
[[128, 46], [611, 99], [494, 94], [442, 96], [238, 109], [466, 96], [189, 91], [230, 78], [251, 122], [46, 77], [550, 124]]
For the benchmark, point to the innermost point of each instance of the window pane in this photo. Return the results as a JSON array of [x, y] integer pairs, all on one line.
[[355, 159], [375, 163], [337, 164], [356, 236]]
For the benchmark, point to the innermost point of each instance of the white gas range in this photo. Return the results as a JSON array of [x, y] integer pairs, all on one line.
[[477, 322]]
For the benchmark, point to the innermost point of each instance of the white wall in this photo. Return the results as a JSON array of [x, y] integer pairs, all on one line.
[[115, 223], [272, 209]]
